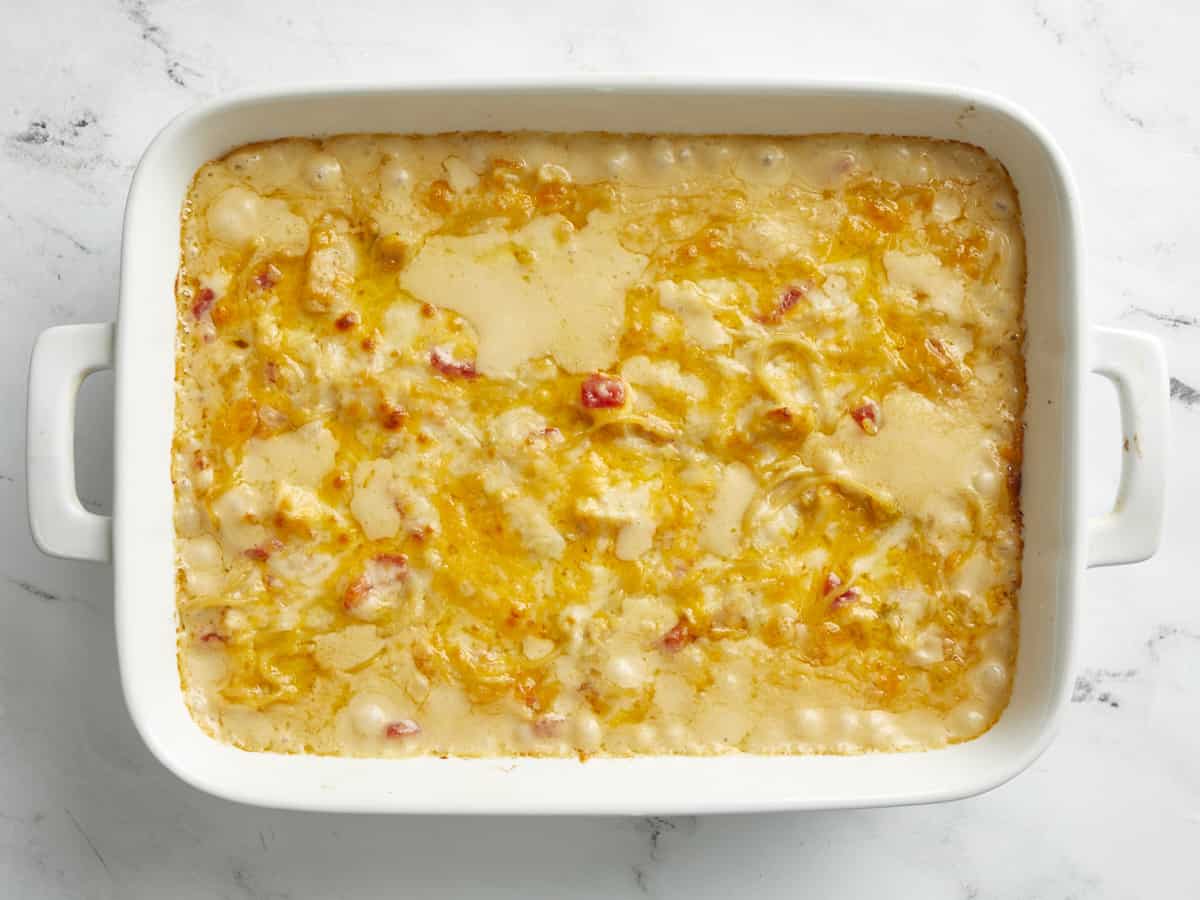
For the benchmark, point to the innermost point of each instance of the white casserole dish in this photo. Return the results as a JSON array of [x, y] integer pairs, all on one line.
[[1059, 541]]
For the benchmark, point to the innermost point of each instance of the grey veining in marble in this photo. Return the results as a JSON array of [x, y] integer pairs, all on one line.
[[1111, 811]]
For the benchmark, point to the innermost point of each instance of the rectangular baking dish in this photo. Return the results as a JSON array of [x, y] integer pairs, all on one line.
[[1061, 350]]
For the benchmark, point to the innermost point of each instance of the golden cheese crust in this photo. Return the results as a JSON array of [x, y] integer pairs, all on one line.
[[599, 444]]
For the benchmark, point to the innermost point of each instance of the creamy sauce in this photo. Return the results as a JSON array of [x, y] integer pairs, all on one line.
[[722, 530], [543, 290], [598, 444], [953, 452]]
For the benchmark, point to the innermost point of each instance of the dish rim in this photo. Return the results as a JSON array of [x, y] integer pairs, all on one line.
[[246, 789]]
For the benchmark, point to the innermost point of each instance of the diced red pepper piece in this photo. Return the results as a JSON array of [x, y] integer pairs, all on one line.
[[832, 583], [845, 598], [548, 435], [392, 417], [399, 560], [678, 637], [204, 300], [263, 552], [213, 637], [346, 321], [451, 367], [602, 392], [866, 414], [359, 588], [402, 728], [787, 300], [268, 277]]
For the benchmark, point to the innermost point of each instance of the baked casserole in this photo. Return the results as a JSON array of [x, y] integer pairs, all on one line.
[[591, 444]]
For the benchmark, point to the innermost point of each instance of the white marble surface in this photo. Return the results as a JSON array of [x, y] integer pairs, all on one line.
[[1111, 811]]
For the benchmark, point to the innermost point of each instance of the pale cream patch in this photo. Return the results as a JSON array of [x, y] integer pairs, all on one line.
[[722, 530], [519, 309], [239, 217]]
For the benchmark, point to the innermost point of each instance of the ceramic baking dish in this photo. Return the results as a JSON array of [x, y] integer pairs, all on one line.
[[1059, 541]]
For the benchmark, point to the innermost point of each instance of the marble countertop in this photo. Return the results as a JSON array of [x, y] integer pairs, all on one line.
[[1112, 810]]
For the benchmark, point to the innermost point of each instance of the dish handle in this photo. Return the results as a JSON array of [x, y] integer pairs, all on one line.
[[62, 358], [1130, 532]]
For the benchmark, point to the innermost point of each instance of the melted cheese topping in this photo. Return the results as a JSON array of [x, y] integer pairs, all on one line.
[[543, 290], [596, 444]]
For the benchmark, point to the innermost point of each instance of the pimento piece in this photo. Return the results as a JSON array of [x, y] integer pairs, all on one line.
[[866, 414], [832, 583], [383, 570], [356, 593], [263, 552], [451, 367], [268, 277], [214, 637], [399, 560], [392, 417], [547, 435], [678, 637], [602, 392], [346, 321], [401, 728], [204, 300], [845, 598], [787, 300]]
